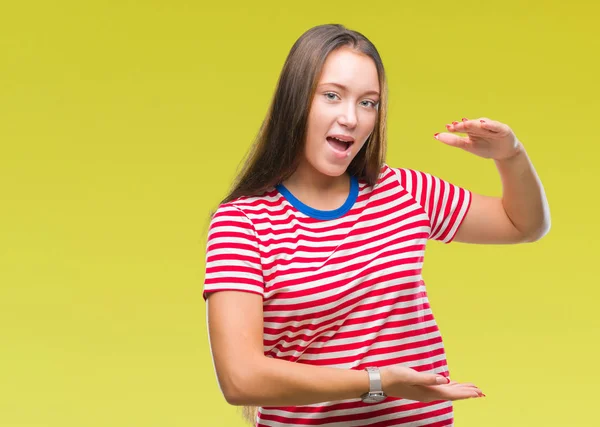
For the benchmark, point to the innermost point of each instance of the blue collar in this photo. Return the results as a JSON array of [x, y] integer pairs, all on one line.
[[320, 214]]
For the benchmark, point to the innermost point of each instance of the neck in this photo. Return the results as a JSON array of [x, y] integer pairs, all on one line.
[[308, 180]]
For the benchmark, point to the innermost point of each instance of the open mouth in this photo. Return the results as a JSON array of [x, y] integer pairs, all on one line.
[[339, 144]]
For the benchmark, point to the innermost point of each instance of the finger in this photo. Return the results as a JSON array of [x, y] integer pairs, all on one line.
[[428, 379], [457, 384], [452, 140], [469, 385], [475, 390], [494, 126], [452, 393], [470, 126], [410, 376], [462, 393]]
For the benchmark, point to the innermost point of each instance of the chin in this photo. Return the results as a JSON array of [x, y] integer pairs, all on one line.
[[329, 169]]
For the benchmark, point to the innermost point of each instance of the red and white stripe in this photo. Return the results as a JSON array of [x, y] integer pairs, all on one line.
[[343, 292]]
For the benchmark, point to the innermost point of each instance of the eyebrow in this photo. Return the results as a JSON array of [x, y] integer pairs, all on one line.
[[341, 86]]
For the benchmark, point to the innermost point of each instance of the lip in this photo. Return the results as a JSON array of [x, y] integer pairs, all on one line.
[[345, 138], [340, 154]]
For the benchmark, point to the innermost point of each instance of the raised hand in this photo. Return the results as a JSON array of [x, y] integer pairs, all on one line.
[[485, 138]]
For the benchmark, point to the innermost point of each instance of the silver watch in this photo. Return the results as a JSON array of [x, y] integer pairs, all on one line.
[[375, 393]]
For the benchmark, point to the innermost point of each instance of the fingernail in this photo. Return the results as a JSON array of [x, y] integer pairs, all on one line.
[[448, 126], [435, 136], [442, 380], [464, 119], [454, 123]]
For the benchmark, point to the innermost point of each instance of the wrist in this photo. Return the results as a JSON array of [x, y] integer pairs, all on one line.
[[385, 378], [375, 393], [519, 151]]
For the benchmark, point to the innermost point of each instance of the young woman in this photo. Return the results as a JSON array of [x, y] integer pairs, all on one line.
[[317, 311]]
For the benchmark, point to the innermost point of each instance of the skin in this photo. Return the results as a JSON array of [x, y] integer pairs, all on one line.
[[520, 215], [321, 181]]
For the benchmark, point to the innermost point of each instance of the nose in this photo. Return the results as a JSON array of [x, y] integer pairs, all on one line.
[[348, 118]]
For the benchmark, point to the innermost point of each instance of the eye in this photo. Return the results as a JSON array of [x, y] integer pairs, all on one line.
[[330, 93], [372, 104]]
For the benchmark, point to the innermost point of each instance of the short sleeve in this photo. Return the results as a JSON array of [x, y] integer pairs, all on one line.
[[232, 254], [445, 204]]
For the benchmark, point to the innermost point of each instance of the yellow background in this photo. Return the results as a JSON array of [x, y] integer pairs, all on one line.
[[122, 124]]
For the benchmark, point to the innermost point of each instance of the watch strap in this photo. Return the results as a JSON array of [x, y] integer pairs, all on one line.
[[374, 380]]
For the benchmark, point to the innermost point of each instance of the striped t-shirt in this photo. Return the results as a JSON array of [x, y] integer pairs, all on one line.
[[343, 288]]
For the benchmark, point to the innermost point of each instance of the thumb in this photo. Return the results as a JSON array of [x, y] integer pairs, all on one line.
[[403, 375], [452, 140], [429, 379]]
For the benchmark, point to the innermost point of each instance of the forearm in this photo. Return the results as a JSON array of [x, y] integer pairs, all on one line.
[[523, 196], [272, 382]]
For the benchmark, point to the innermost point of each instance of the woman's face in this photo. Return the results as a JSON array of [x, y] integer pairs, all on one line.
[[345, 107]]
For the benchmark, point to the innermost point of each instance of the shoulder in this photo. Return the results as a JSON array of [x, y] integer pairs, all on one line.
[[405, 177], [387, 174], [250, 209], [248, 203]]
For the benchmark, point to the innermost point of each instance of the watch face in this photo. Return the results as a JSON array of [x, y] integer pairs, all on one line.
[[374, 398]]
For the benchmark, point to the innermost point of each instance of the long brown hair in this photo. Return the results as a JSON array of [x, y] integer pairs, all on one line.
[[276, 151]]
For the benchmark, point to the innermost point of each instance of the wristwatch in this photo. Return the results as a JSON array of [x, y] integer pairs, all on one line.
[[375, 393]]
